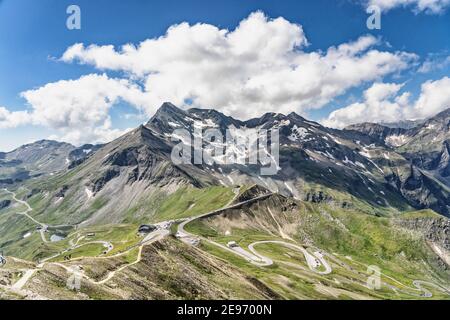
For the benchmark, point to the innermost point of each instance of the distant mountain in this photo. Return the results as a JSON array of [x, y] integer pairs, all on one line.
[[41, 157], [429, 136], [390, 136], [403, 124], [426, 147], [44, 157]]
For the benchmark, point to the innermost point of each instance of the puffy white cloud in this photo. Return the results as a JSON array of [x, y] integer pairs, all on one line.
[[260, 66], [434, 98], [79, 135], [383, 103], [85, 101], [12, 119], [427, 6], [77, 109]]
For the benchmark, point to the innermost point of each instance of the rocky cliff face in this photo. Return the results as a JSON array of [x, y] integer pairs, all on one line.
[[382, 134], [4, 204], [436, 230]]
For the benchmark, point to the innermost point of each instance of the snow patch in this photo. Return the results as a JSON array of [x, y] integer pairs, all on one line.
[[173, 124], [89, 193], [396, 140]]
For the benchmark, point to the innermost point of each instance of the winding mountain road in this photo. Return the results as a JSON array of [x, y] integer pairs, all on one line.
[[43, 227], [314, 260]]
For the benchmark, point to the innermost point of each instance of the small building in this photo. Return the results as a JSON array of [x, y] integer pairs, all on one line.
[[145, 228]]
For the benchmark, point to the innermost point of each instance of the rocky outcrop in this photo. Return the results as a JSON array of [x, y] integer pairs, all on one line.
[[251, 193], [104, 178], [318, 197], [62, 192], [5, 204], [436, 230], [6, 181], [444, 160], [420, 190]]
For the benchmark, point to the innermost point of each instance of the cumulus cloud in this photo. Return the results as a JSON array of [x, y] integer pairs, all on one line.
[[12, 119], [260, 66], [263, 65], [434, 98], [77, 109], [383, 103], [427, 6]]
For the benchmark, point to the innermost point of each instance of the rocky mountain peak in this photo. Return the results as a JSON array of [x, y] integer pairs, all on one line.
[[443, 115]]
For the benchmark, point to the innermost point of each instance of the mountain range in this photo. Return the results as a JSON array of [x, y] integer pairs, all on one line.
[[369, 171]]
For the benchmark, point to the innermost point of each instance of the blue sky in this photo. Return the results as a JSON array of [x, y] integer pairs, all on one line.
[[33, 36]]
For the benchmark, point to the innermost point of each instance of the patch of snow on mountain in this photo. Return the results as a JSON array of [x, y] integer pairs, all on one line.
[[173, 124], [335, 139], [365, 153], [89, 193], [348, 161], [396, 140], [288, 187], [206, 123], [359, 164]]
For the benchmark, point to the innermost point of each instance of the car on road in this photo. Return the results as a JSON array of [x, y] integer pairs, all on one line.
[[232, 244]]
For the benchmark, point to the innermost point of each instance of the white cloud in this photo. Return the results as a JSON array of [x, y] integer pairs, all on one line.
[[77, 109], [383, 103], [427, 6], [434, 98], [12, 119], [260, 66], [434, 63]]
